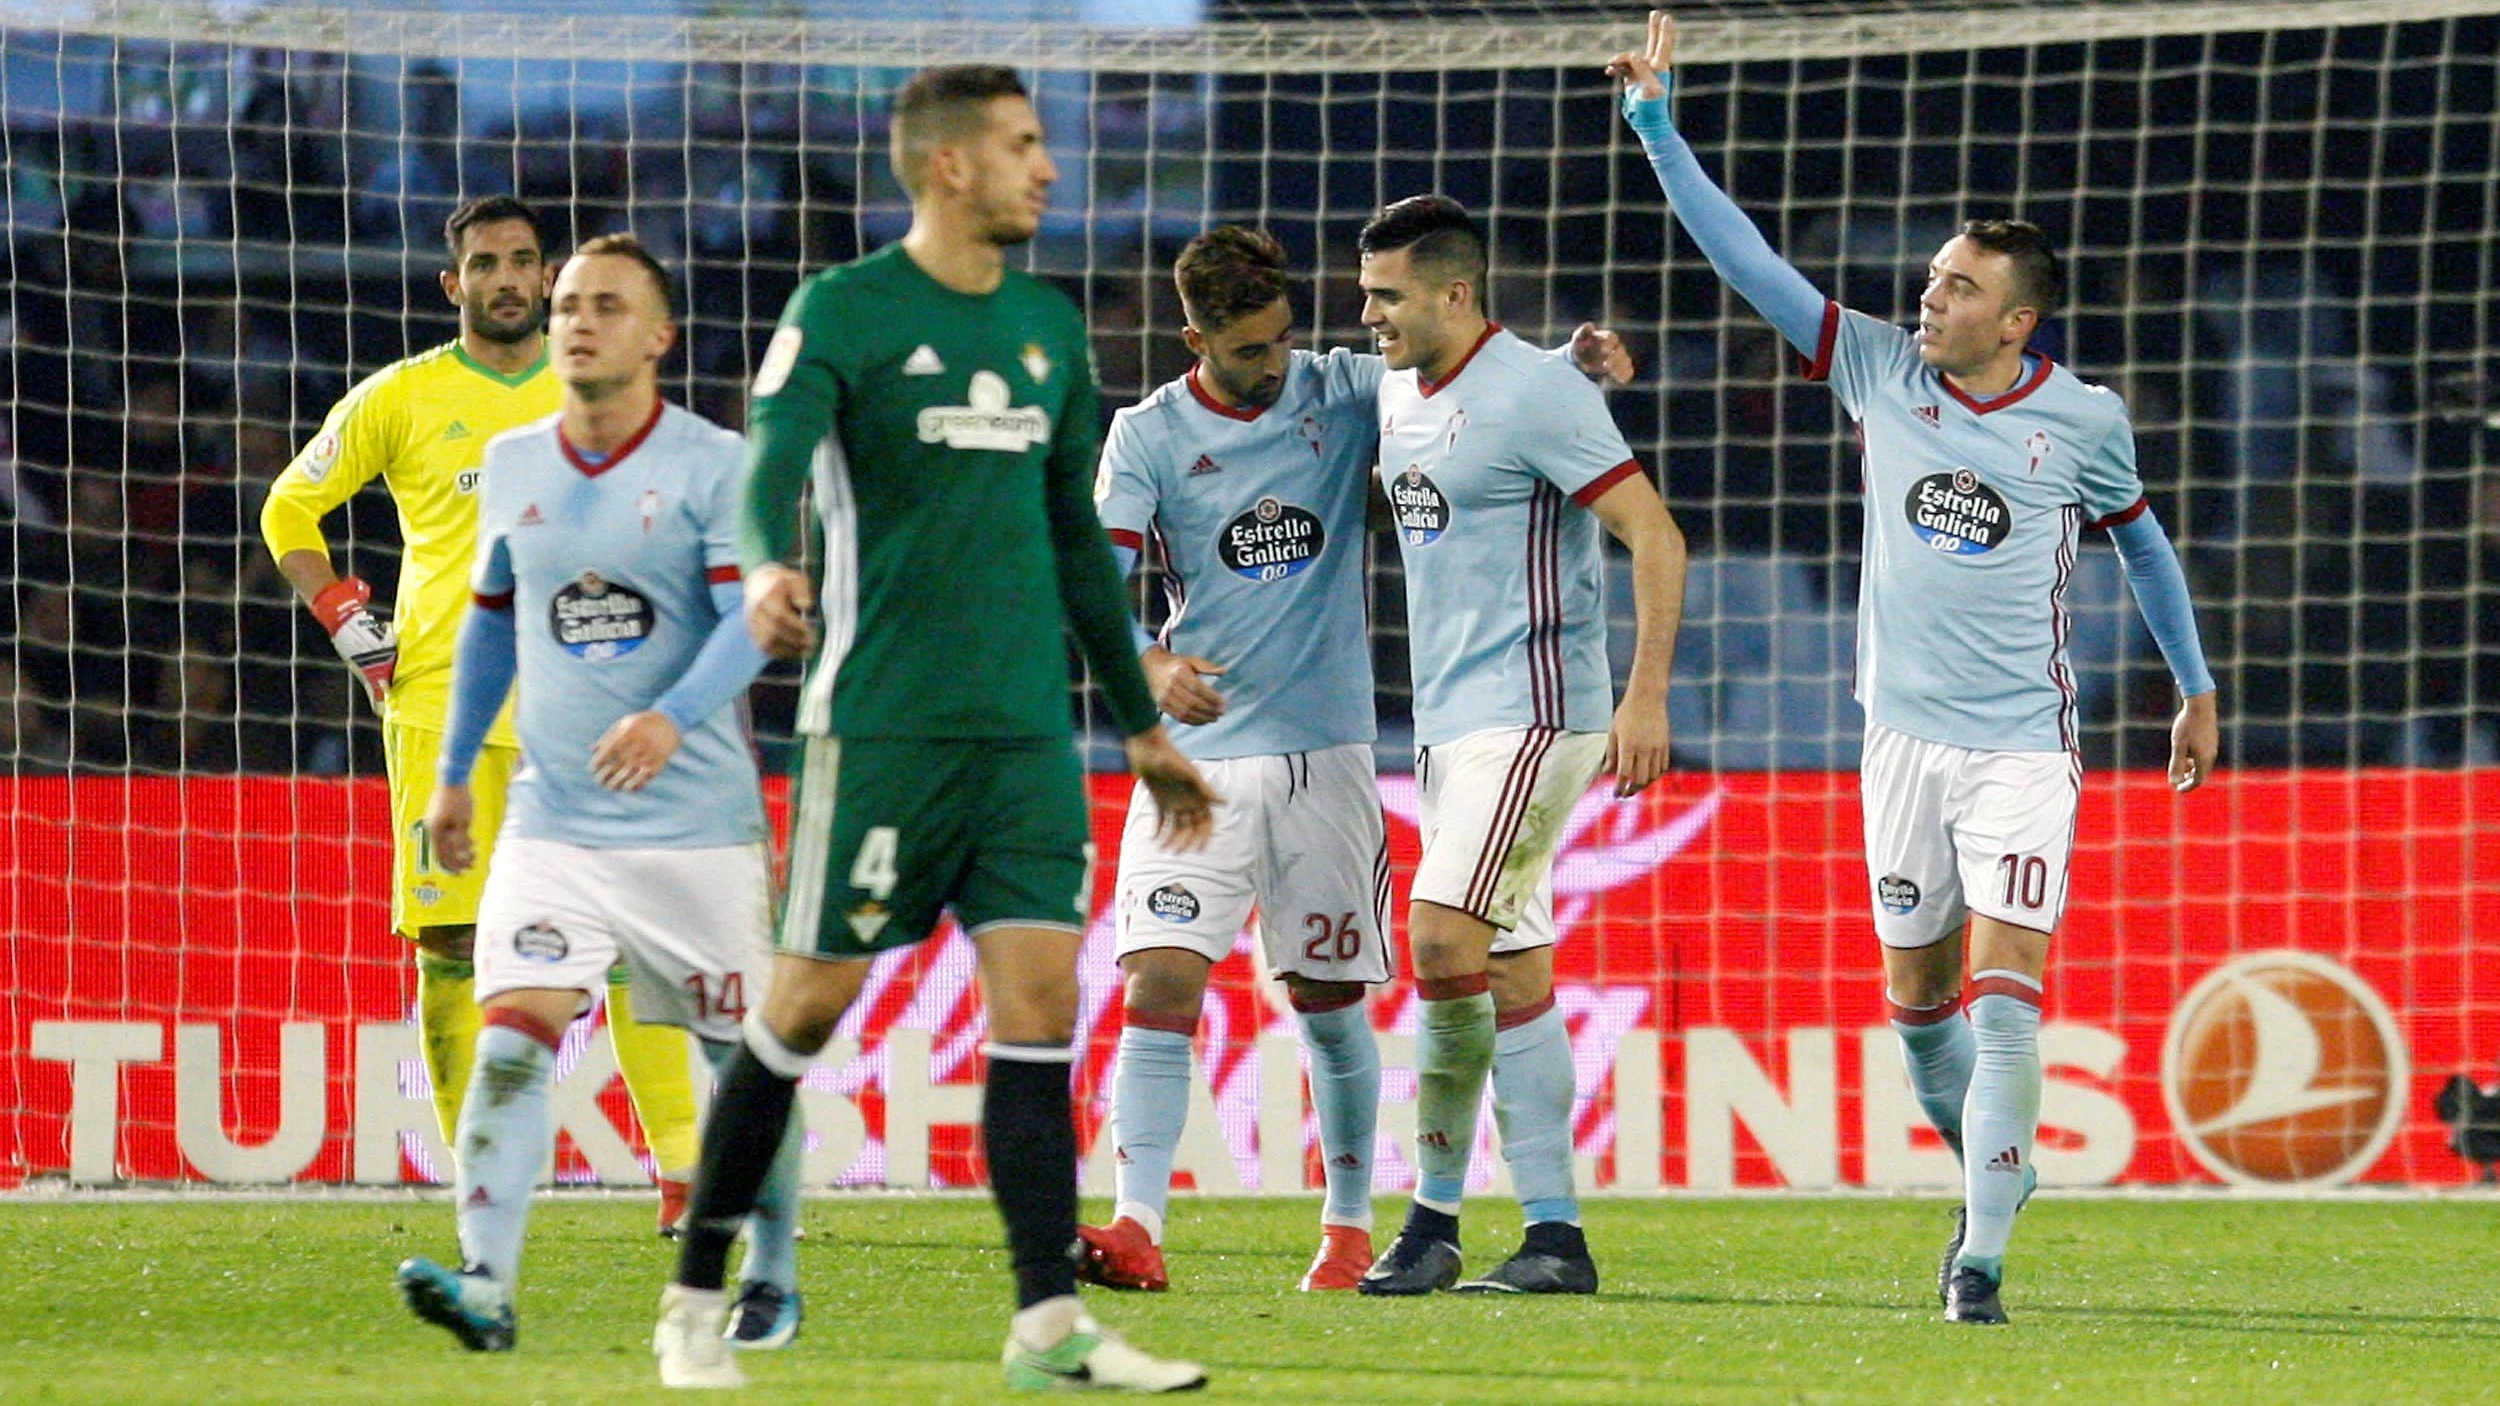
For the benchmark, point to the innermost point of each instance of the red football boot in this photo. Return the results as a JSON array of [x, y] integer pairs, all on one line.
[[1345, 1251], [674, 1195], [1121, 1256]]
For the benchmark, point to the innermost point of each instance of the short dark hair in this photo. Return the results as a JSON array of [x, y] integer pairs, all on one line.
[[1228, 273], [624, 246], [940, 105], [491, 210], [1438, 232], [2039, 275]]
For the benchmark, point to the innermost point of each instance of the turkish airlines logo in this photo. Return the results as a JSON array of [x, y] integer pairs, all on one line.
[[2284, 1069]]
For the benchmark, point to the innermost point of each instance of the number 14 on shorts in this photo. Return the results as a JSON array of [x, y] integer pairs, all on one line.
[[722, 997]]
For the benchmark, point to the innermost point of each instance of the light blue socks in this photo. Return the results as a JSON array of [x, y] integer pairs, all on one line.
[[1345, 1097], [1149, 1105], [2001, 1117], [1533, 1088], [505, 1129]]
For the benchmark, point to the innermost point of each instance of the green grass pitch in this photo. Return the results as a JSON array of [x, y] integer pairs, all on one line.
[[1760, 1299]]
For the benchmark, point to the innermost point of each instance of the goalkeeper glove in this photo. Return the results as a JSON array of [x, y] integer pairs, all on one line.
[[363, 639]]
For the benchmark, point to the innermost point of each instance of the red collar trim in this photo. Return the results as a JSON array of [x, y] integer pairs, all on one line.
[[1431, 387], [1229, 412], [2039, 378], [617, 456]]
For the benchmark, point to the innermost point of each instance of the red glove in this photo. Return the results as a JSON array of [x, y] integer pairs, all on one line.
[[362, 638]]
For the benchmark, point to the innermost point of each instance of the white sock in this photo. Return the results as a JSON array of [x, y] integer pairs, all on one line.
[[1047, 1324]]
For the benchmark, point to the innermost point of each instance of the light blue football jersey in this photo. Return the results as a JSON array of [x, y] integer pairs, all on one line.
[[1490, 474], [1973, 508], [1261, 517], [608, 569]]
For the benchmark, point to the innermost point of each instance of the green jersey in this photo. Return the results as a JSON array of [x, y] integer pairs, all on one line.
[[952, 439]]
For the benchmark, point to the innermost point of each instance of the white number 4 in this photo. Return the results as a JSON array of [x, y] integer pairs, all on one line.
[[874, 870]]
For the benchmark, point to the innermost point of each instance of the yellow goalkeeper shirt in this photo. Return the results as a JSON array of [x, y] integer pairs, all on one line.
[[422, 425]]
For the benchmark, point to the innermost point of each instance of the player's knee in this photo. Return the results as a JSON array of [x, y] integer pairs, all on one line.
[[1311, 997], [807, 999], [1921, 978], [1164, 986], [1520, 986], [452, 943], [1446, 942], [804, 1035]]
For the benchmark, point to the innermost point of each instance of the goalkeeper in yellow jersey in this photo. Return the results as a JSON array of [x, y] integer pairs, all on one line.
[[421, 425]]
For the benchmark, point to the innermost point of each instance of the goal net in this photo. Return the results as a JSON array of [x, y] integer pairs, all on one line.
[[2276, 218]]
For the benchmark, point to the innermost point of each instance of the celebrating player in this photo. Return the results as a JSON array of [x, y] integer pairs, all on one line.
[[1253, 470], [1501, 463], [948, 407], [606, 586], [422, 425], [1983, 462]]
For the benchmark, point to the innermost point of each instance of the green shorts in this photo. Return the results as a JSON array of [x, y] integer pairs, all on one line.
[[889, 831]]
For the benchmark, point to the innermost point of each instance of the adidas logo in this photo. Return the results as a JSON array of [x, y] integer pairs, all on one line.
[[530, 517], [1345, 1159], [480, 1198], [924, 362], [1205, 465], [456, 430], [1932, 416], [1120, 1154], [1437, 1140], [2010, 1160]]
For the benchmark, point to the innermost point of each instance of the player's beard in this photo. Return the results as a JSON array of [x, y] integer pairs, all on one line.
[[1253, 393], [484, 322]]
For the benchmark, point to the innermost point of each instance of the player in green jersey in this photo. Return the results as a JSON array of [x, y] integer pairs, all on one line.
[[946, 408]]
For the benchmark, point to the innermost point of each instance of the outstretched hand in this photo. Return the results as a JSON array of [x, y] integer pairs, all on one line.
[[1638, 72]]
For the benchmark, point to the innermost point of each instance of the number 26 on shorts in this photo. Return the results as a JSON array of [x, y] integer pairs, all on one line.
[[1335, 939]]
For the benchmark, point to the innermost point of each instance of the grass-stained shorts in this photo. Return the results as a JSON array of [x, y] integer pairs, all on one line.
[[888, 832]]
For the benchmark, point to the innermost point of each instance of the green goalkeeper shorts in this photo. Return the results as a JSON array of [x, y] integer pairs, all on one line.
[[890, 831]]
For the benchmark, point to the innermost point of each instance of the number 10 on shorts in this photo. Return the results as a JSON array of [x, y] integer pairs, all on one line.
[[2026, 880]]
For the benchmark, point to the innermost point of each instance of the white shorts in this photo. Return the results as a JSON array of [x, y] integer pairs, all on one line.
[[692, 926], [1951, 832], [1300, 838], [1492, 808]]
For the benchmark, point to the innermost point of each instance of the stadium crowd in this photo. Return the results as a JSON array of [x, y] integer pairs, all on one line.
[[203, 248]]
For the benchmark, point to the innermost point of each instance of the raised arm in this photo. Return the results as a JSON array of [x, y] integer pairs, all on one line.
[[1734, 247]]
